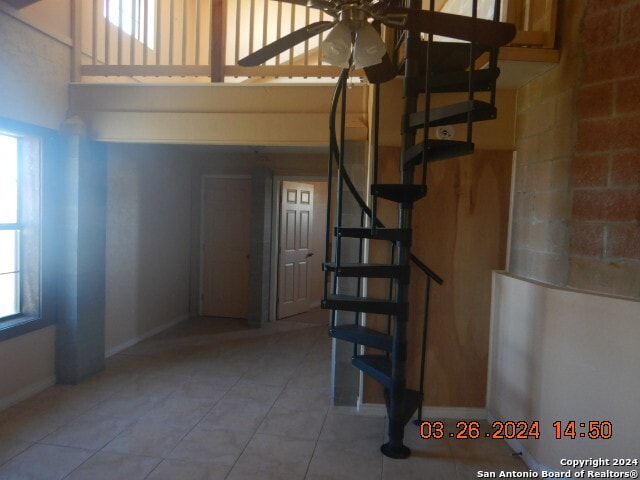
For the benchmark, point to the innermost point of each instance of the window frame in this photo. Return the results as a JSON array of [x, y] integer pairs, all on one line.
[[38, 313]]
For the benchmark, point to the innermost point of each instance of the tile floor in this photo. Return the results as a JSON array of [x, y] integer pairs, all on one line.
[[214, 399]]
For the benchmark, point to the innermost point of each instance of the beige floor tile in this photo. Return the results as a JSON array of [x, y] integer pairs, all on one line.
[[234, 414], [315, 399], [114, 466], [272, 454], [269, 374], [180, 410], [44, 462], [148, 437], [125, 406], [254, 393], [347, 430], [210, 444], [334, 461], [10, 447], [205, 388], [293, 423], [171, 469], [27, 425], [87, 431]]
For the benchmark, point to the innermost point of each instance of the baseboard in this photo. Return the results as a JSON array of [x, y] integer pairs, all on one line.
[[518, 449], [26, 392], [462, 413], [137, 339]]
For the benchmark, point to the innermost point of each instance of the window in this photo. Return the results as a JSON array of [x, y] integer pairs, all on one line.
[[20, 227], [9, 227], [134, 17]]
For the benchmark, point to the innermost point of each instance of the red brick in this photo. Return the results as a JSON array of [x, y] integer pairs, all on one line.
[[628, 96], [590, 171], [593, 136], [606, 205], [629, 56], [594, 7], [601, 30], [623, 241], [625, 169], [631, 22], [587, 239], [612, 63], [595, 101], [603, 135]]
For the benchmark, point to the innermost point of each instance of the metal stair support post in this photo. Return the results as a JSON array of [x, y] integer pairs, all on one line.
[[395, 447]]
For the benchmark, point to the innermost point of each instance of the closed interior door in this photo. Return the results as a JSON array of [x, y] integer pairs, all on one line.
[[226, 225], [295, 235]]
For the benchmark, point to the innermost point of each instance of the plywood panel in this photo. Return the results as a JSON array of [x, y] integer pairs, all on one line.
[[460, 231]]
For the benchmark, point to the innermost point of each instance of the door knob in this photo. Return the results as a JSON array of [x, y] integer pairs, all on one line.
[[310, 254]]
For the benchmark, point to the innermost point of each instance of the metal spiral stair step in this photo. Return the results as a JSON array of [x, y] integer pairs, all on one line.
[[397, 192], [377, 367], [437, 150], [367, 270], [401, 235], [447, 56], [362, 336], [451, 82], [351, 303], [455, 113]]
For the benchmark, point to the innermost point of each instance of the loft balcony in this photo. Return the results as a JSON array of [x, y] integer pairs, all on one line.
[[201, 41]]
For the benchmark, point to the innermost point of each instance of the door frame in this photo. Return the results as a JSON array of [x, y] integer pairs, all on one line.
[[275, 234], [203, 180]]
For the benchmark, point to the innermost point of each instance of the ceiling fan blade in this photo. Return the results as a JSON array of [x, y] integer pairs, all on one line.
[[269, 51], [475, 30], [381, 72]]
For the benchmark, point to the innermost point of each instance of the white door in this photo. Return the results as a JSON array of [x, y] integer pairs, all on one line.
[[226, 227], [296, 210]]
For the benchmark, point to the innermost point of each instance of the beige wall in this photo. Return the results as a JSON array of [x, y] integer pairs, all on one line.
[[148, 235], [318, 241], [35, 74], [553, 357], [28, 365]]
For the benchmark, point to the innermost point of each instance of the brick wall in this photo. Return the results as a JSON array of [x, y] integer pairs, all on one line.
[[545, 136], [605, 180], [576, 215]]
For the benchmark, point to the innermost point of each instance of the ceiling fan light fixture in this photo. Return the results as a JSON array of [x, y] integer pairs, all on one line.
[[369, 47], [336, 48]]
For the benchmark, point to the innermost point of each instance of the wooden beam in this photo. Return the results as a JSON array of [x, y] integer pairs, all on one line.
[[218, 34]]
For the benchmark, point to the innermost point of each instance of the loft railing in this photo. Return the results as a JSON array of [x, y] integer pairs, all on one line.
[[535, 21], [202, 40]]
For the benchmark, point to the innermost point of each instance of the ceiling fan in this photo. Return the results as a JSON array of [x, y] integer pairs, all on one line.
[[354, 41]]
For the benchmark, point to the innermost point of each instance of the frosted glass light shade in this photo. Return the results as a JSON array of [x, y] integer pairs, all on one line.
[[336, 48], [369, 47]]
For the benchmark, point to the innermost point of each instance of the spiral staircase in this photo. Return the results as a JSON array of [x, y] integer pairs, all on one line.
[[429, 66]]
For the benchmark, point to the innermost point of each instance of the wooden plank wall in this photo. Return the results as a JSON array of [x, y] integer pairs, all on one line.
[[460, 232]]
